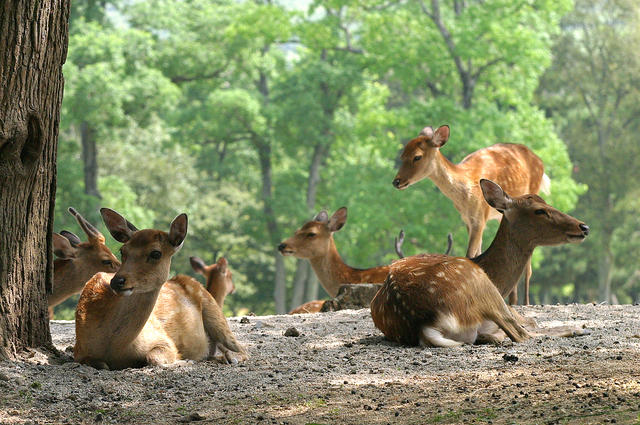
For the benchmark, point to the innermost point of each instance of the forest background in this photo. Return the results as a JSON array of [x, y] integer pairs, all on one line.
[[252, 116]]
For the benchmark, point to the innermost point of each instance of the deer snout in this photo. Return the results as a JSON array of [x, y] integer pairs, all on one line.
[[282, 247], [584, 228], [399, 183], [117, 285]]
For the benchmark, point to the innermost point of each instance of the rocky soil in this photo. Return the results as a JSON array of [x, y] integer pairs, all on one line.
[[341, 370]]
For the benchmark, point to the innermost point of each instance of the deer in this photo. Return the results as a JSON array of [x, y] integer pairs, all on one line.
[[77, 261], [135, 317], [513, 166], [218, 277], [314, 241], [444, 301]]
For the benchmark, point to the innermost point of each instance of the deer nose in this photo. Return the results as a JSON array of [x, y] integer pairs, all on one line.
[[117, 283], [396, 182], [282, 246], [584, 228]]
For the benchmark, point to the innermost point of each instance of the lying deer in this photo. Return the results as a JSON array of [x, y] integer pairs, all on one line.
[[77, 261], [443, 301], [314, 241], [218, 276], [515, 167], [133, 318]]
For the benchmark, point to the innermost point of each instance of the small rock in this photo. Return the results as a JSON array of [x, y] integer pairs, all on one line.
[[98, 417], [3, 377], [510, 358], [193, 417], [244, 320], [291, 332]]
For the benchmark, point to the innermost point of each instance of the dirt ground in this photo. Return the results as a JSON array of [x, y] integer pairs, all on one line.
[[340, 370]]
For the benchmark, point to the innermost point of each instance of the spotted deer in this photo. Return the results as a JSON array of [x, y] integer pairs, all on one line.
[[218, 277], [443, 301], [133, 318], [314, 241], [515, 167], [77, 261]]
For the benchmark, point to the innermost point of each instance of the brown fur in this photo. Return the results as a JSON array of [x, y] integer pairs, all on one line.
[[218, 277], [423, 290], [514, 167], [308, 307], [321, 251], [157, 322], [78, 264]]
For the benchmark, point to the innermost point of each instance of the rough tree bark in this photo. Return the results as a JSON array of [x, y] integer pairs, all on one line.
[[34, 48]]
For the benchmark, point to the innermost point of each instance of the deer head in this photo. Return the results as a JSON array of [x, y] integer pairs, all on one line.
[[92, 255], [313, 238], [218, 276], [532, 220], [418, 156], [146, 254]]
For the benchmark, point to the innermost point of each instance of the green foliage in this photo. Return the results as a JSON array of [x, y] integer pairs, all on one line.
[[190, 100]]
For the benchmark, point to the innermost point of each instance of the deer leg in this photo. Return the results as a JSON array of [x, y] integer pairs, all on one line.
[[432, 337], [475, 239], [505, 320], [220, 336], [162, 355], [527, 278], [513, 296]]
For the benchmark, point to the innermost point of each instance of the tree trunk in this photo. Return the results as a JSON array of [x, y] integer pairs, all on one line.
[[89, 159], [300, 277], [35, 38]]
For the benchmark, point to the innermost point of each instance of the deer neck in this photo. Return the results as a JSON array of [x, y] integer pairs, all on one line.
[[448, 177], [129, 315], [505, 260], [69, 277], [219, 292], [332, 271]]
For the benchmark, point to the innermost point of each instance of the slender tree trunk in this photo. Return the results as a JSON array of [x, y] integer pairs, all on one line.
[[34, 47], [89, 159], [299, 278]]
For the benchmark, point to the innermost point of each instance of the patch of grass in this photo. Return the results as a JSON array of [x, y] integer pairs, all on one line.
[[449, 416], [36, 385], [315, 403], [486, 415]]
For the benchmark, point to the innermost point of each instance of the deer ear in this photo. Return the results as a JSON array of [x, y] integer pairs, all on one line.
[[118, 226], [92, 233], [72, 238], [495, 196], [322, 217], [197, 264], [178, 230], [62, 247], [338, 219], [440, 137], [222, 265]]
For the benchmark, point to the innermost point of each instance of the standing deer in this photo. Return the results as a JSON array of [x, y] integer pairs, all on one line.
[[133, 318], [442, 301], [218, 276], [514, 167], [77, 261]]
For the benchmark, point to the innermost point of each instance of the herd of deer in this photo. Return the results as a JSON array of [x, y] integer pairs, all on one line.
[[130, 314]]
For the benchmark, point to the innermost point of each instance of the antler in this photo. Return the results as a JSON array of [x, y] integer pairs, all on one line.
[[398, 243]]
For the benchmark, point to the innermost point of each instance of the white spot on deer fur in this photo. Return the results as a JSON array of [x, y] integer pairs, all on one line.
[[433, 282], [419, 273], [440, 274], [431, 289]]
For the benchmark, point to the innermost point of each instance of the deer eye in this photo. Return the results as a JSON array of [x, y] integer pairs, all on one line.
[[155, 254], [417, 158], [311, 235], [540, 212], [107, 262]]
